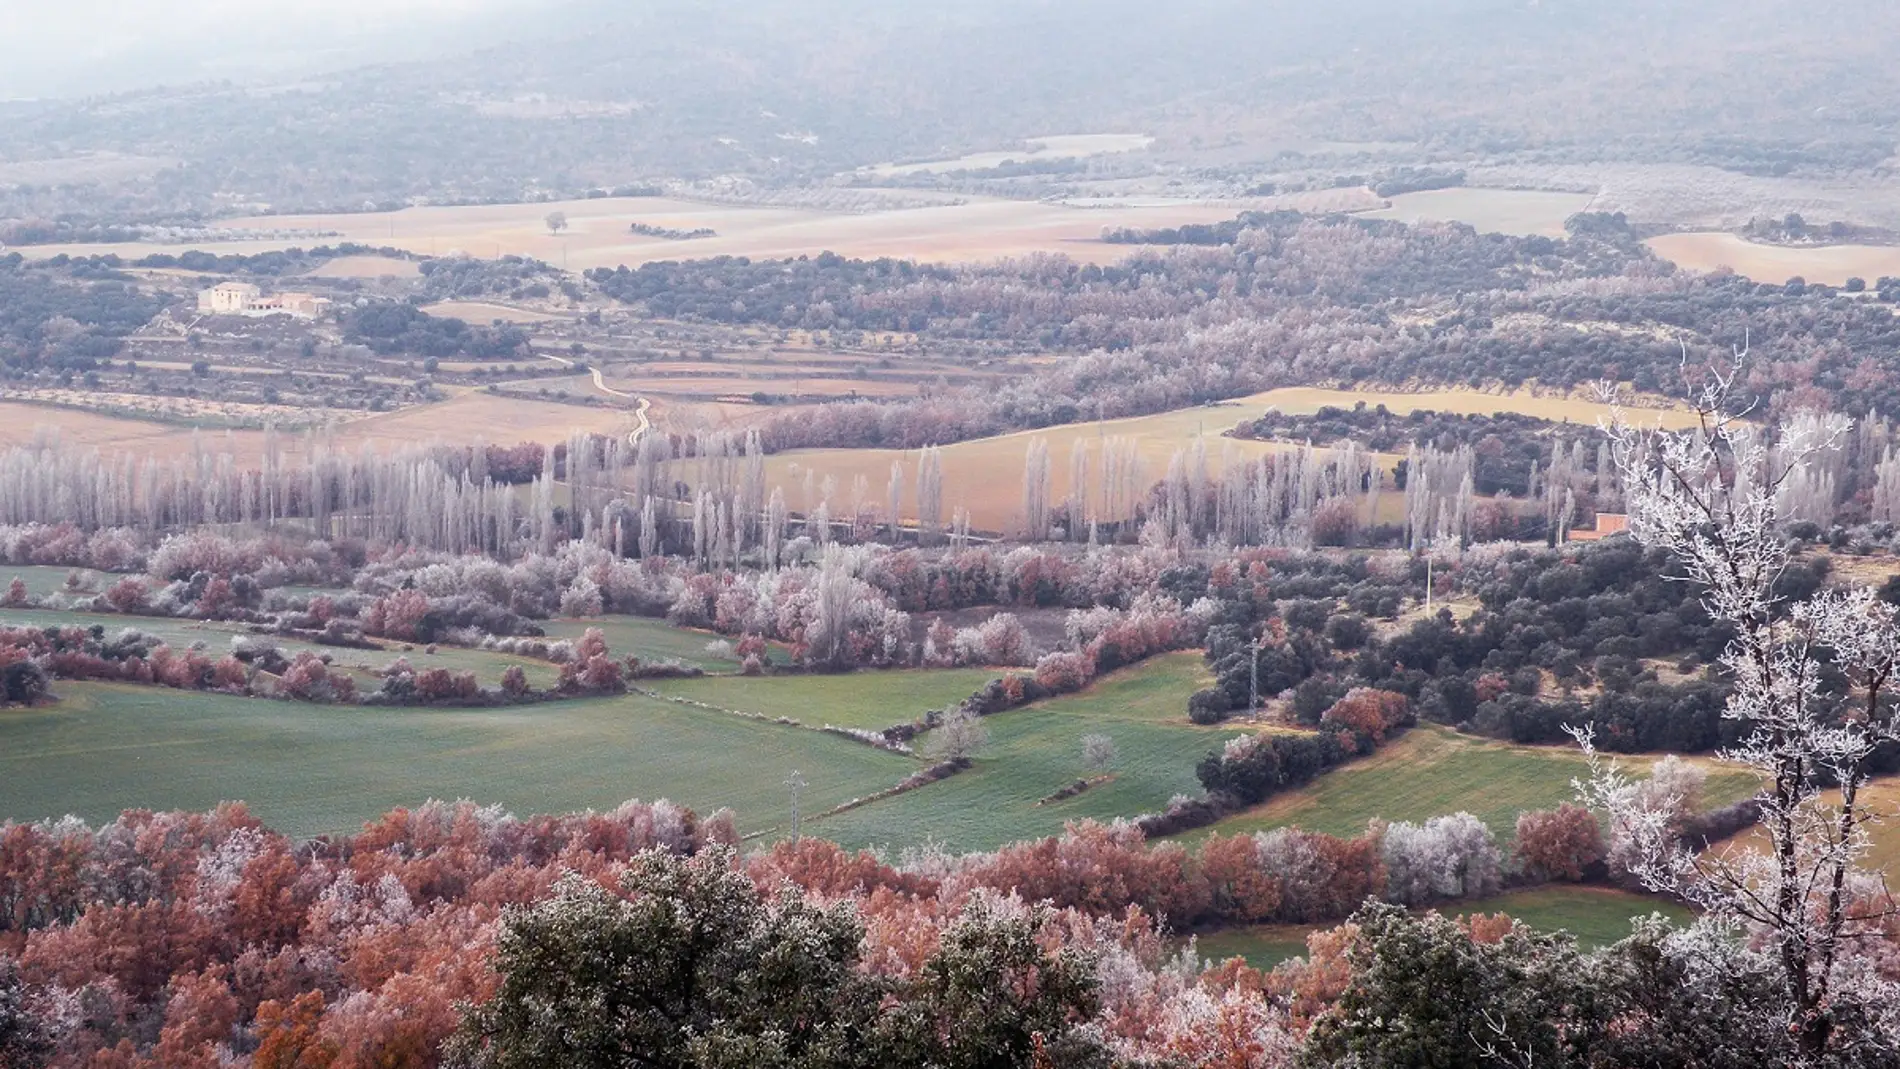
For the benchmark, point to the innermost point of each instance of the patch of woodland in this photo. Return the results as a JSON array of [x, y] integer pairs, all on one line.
[[53, 317], [510, 277], [1505, 446], [1579, 636], [189, 934], [391, 327], [1360, 301]]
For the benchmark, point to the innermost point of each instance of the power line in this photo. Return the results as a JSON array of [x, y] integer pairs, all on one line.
[[797, 784]]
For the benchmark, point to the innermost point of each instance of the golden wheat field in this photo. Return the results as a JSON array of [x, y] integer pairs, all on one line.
[[985, 476], [597, 231], [1831, 264], [466, 418], [1505, 211], [597, 234]]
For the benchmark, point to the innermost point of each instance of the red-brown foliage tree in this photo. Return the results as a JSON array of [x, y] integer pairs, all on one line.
[[514, 681], [128, 595], [1559, 844], [1370, 712]]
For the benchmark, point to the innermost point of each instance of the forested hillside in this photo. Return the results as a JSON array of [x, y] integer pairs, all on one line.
[[789, 91]]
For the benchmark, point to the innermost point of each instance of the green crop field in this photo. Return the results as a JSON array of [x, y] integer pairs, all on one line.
[[486, 664], [176, 632], [1431, 771], [43, 579], [1596, 916], [655, 640], [311, 769], [216, 636], [1036, 750], [871, 699]]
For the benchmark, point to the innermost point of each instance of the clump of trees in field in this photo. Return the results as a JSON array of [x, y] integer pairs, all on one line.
[[399, 327], [649, 230]]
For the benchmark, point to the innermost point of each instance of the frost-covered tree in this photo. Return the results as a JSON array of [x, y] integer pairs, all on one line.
[[1036, 490], [1711, 497], [958, 738], [24, 1038], [929, 495], [1454, 856]]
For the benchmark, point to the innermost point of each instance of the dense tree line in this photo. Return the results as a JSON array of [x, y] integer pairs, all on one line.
[[818, 292], [190, 937], [514, 277], [1577, 637], [1192, 234], [458, 935], [650, 230], [1508, 449], [50, 318], [400, 327]]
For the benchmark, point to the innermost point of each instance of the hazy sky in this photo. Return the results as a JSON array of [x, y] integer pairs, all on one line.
[[54, 47]]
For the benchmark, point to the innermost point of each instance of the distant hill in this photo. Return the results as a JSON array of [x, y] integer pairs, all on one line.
[[789, 91]]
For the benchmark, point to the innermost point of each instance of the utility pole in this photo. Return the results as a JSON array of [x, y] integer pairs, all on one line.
[[797, 784]]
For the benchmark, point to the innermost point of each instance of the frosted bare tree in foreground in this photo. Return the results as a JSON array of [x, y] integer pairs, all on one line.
[[1795, 898]]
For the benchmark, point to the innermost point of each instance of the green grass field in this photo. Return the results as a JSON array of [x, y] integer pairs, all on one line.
[[216, 636], [871, 700], [1596, 916], [1431, 771], [177, 632], [655, 640], [310, 769], [43, 579], [1036, 750]]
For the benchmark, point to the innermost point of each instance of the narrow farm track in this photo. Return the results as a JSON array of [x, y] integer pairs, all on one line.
[[642, 424]]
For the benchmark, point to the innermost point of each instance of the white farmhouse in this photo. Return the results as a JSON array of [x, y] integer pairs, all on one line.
[[228, 298], [243, 299]]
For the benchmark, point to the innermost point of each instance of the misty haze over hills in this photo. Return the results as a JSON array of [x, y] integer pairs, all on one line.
[[90, 47], [590, 94], [1060, 504]]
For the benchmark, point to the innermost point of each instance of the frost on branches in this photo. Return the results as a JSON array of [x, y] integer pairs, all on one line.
[[1812, 691]]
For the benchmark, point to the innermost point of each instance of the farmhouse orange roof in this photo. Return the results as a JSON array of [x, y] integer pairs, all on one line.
[[1607, 524]]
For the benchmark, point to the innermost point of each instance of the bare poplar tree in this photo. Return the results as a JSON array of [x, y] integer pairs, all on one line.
[[1709, 496], [1036, 490], [894, 501], [649, 529], [774, 527], [929, 494], [1078, 490], [834, 591]]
